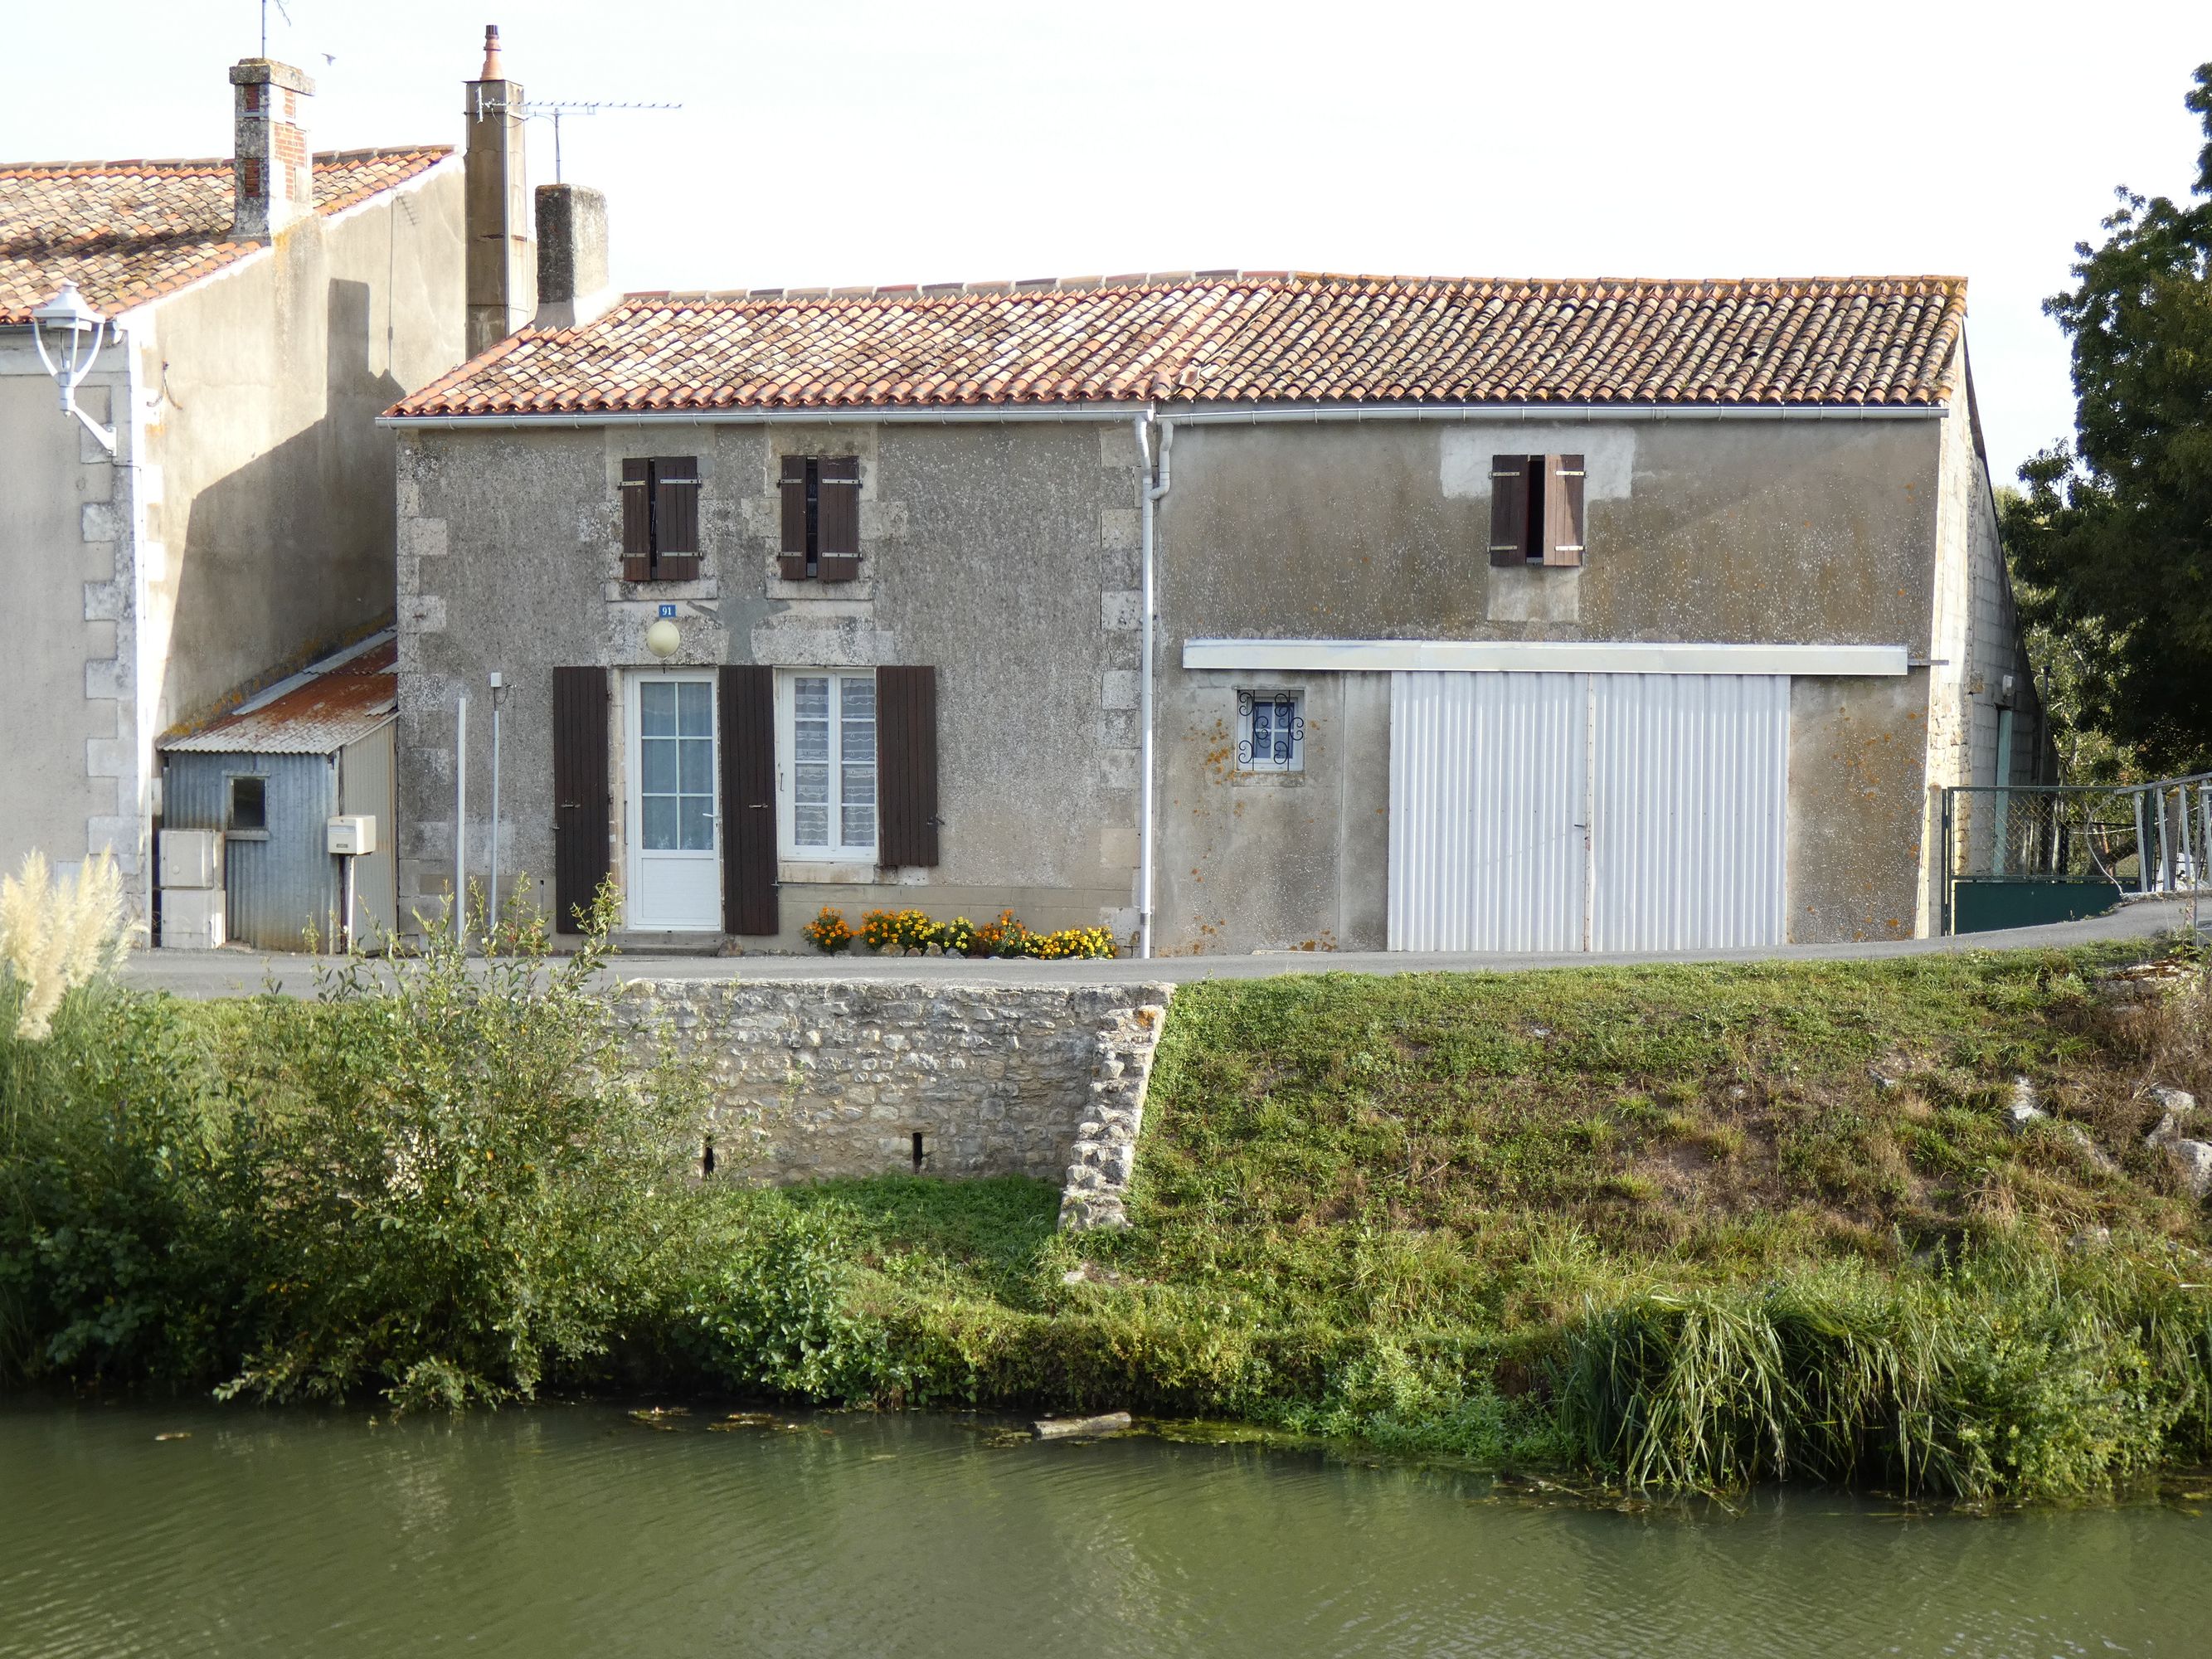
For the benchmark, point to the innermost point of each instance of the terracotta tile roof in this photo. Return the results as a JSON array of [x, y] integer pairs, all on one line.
[[335, 704], [125, 232], [1226, 337]]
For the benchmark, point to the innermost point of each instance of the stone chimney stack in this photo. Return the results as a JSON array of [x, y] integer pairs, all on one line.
[[572, 256], [501, 271], [272, 178]]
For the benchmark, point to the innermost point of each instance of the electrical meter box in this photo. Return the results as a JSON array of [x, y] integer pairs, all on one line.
[[351, 834], [191, 859]]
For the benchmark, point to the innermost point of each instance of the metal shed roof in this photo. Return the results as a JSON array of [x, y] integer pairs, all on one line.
[[338, 701]]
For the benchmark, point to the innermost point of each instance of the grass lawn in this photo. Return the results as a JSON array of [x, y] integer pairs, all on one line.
[[1405, 1208]]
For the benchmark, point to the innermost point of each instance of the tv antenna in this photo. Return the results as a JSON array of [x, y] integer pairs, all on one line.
[[285, 12], [534, 111]]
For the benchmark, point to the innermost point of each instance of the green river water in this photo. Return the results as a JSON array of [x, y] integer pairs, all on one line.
[[576, 1530]]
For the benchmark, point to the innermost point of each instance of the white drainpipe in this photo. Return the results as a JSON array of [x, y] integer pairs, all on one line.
[[1153, 482]]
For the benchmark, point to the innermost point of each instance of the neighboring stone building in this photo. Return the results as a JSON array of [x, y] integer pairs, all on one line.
[[1512, 616], [260, 309]]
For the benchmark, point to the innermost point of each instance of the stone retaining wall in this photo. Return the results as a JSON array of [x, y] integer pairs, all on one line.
[[817, 1081]]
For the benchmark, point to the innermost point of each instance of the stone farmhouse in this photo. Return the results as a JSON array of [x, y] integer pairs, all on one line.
[[1235, 611], [220, 510]]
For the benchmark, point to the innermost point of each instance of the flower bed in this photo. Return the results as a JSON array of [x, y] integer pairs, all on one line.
[[909, 932]]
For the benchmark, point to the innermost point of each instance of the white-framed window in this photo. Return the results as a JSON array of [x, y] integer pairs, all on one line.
[[826, 763], [1270, 732]]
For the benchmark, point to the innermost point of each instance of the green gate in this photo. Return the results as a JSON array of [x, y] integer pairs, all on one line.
[[2020, 855]]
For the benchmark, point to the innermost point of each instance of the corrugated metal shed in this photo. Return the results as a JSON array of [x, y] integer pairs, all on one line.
[[336, 702], [321, 738]]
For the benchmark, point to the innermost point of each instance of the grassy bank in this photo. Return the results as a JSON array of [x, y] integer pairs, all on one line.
[[1680, 1226]]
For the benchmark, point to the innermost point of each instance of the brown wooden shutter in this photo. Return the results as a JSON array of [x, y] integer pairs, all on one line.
[[1563, 510], [747, 711], [905, 766], [676, 519], [837, 520], [637, 521], [580, 792], [1509, 509], [791, 564]]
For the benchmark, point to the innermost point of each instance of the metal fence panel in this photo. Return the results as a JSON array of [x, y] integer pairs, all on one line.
[[2111, 838]]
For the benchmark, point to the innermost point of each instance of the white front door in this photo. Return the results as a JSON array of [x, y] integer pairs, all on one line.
[[674, 827]]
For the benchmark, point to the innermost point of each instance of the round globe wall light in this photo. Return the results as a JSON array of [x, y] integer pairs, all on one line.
[[663, 639]]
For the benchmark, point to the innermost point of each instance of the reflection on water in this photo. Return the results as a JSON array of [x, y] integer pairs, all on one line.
[[576, 1530]]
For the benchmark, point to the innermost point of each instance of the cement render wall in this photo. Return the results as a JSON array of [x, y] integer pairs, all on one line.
[[1003, 556], [244, 522], [277, 510], [1812, 532], [815, 1082], [66, 590], [1977, 643], [1006, 556]]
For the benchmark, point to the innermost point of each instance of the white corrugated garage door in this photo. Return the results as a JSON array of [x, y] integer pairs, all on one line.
[[1555, 811]]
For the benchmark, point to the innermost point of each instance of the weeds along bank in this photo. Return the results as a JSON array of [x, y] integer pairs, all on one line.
[[1681, 1226]]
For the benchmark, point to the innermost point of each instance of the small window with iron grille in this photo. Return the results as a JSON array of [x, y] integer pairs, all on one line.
[[1270, 732]]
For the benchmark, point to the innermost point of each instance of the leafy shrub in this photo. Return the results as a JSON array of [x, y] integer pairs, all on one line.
[[458, 1172], [766, 1305], [828, 932], [117, 1258]]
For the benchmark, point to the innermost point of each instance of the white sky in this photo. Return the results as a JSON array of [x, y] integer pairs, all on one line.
[[865, 142]]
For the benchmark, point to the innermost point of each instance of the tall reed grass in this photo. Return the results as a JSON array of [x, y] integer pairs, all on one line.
[[2010, 1374]]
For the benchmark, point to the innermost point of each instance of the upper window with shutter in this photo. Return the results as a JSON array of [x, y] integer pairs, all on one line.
[[820, 518], [1536, 510], [661, 520]]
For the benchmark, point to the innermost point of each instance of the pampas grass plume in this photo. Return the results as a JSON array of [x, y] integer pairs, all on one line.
[[56, 934]]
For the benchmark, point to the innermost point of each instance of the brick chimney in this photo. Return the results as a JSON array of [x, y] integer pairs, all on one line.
[[501, 269], [272, 178], [572, 256]]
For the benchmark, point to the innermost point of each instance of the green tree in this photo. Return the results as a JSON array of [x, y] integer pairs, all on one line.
[[2112, 543]]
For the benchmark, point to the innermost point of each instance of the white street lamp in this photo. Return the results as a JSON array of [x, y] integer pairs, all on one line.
[[68, 334]]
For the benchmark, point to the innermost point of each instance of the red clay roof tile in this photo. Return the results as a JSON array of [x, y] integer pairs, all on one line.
[[1226, 337], [125, 232]]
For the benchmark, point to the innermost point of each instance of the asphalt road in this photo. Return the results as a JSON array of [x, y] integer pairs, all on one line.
[[234, 973]]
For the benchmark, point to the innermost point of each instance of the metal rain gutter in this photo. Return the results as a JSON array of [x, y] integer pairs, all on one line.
[[1533, 414], [950, 415], [964, 414]]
